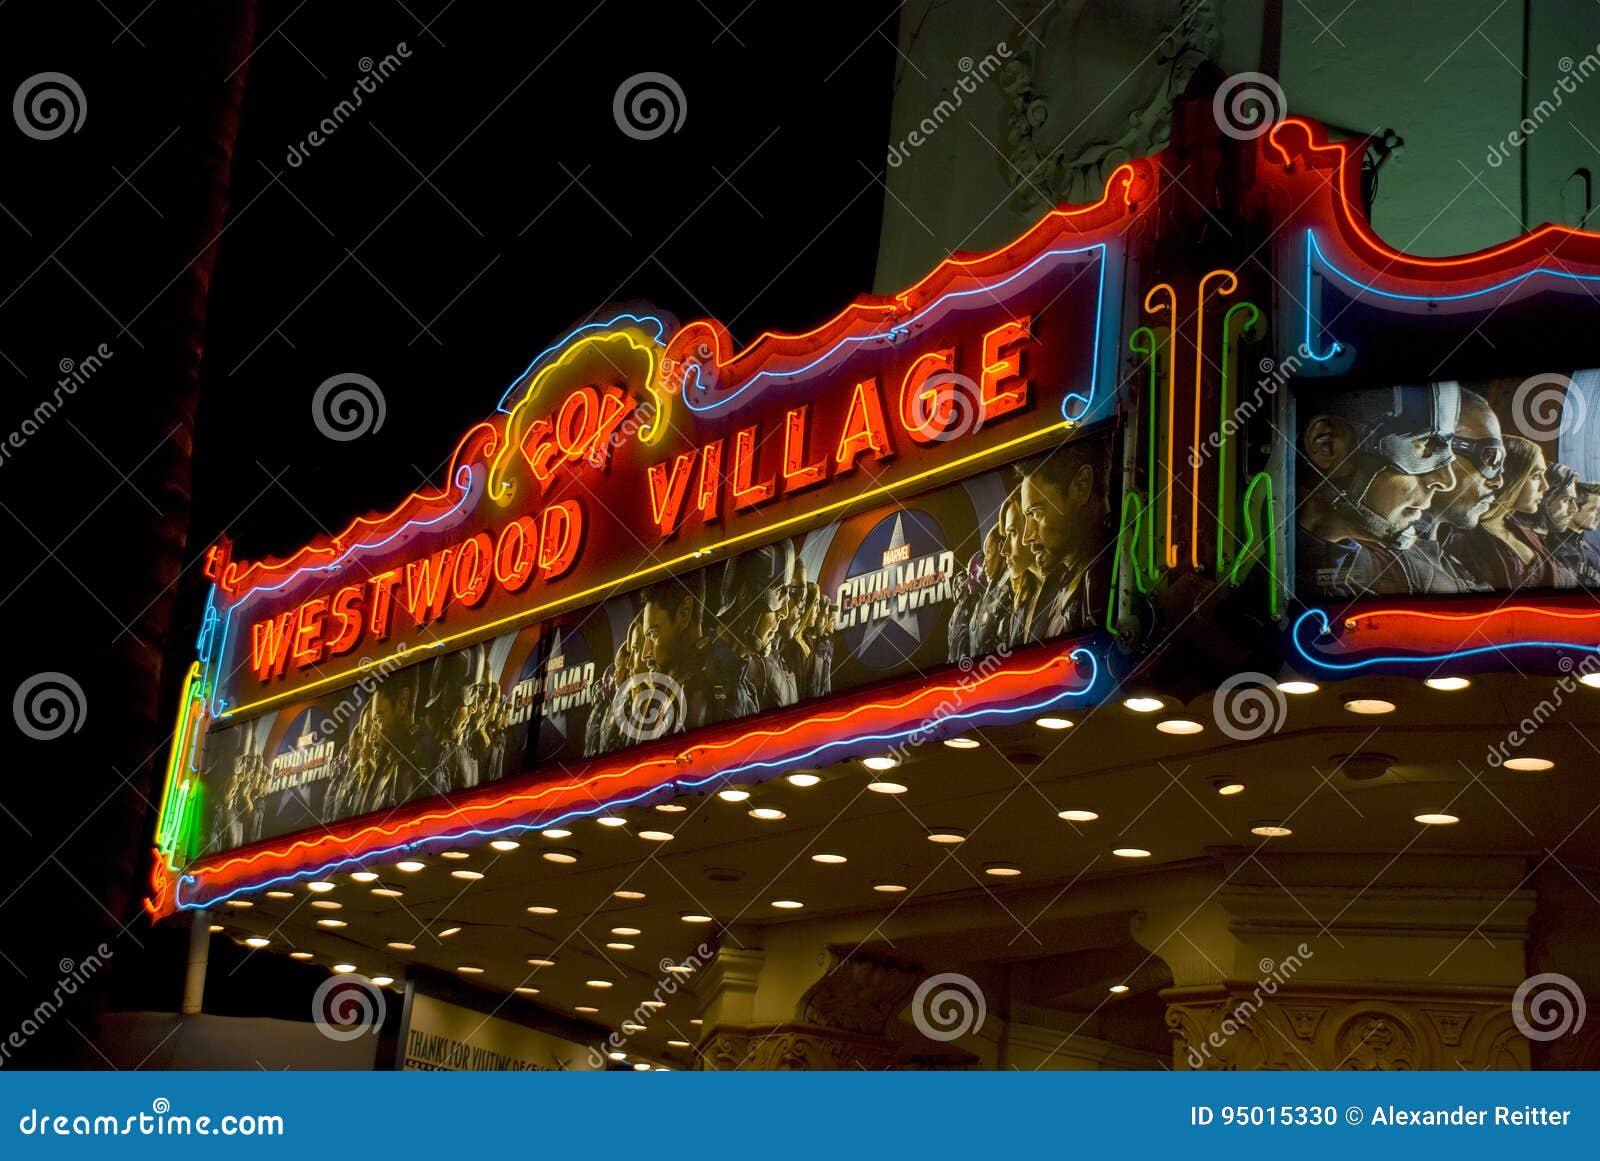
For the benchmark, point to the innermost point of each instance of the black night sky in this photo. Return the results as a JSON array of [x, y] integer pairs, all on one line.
[[480, 201]]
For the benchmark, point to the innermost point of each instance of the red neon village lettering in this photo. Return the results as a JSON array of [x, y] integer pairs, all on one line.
[[934, 401], [420, 591]]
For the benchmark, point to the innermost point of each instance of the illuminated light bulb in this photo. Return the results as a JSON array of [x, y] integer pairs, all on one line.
[[1369, 705], [505, 845], [830, 860], [1270, 830], [471, 876], [590, 1010], [388, 892], [319, 886], [326, 905], [889, 888], [947, 835], [612, 820], [1143, 705], [1117, 989], [652, 1004], [619, 1057], [1179, 726], [542, 961], [733, 794], [695, 917], [257, 941], [886, 786], [671, 807], [1131, 853], [331, 923], [560, 856], [409, 866], [1592, 680], [448, 932], [1050, 723], [619, 946], [1529, 765], [630, 1027], [299, 955], [383, 981], [1297, 687], [280, 894], [787, 904], [626, 931], [962, 743], [1077, 815], [364, 876], [624, 894], [881, 762], [214, 928], [399, 946], [679, 1044], [597, 983], [556, 832], [344, 969], [240, 903], [1002, 870], [656, 836], [1447, 684], [1229, 789], [1437, 818], [468, 969], [766, 813], [802, 780], [525, 991], [454, 855], [641, 1066]]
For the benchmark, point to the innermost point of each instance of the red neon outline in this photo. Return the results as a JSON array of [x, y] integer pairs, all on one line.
[[1007, 683], [1134, 181], [1298, 139]]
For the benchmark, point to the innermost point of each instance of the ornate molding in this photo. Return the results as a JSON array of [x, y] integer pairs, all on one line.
[[1231, 1026], [857, 994], [793, 1048], [1075, 171]]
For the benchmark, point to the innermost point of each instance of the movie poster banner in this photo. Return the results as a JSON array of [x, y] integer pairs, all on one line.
[[1004, 559], [1489, 486]]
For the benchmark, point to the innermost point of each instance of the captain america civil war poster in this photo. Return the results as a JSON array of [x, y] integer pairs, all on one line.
[[1008, 558]]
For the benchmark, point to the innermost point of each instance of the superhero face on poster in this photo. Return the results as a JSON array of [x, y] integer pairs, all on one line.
[[1448, 487]]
